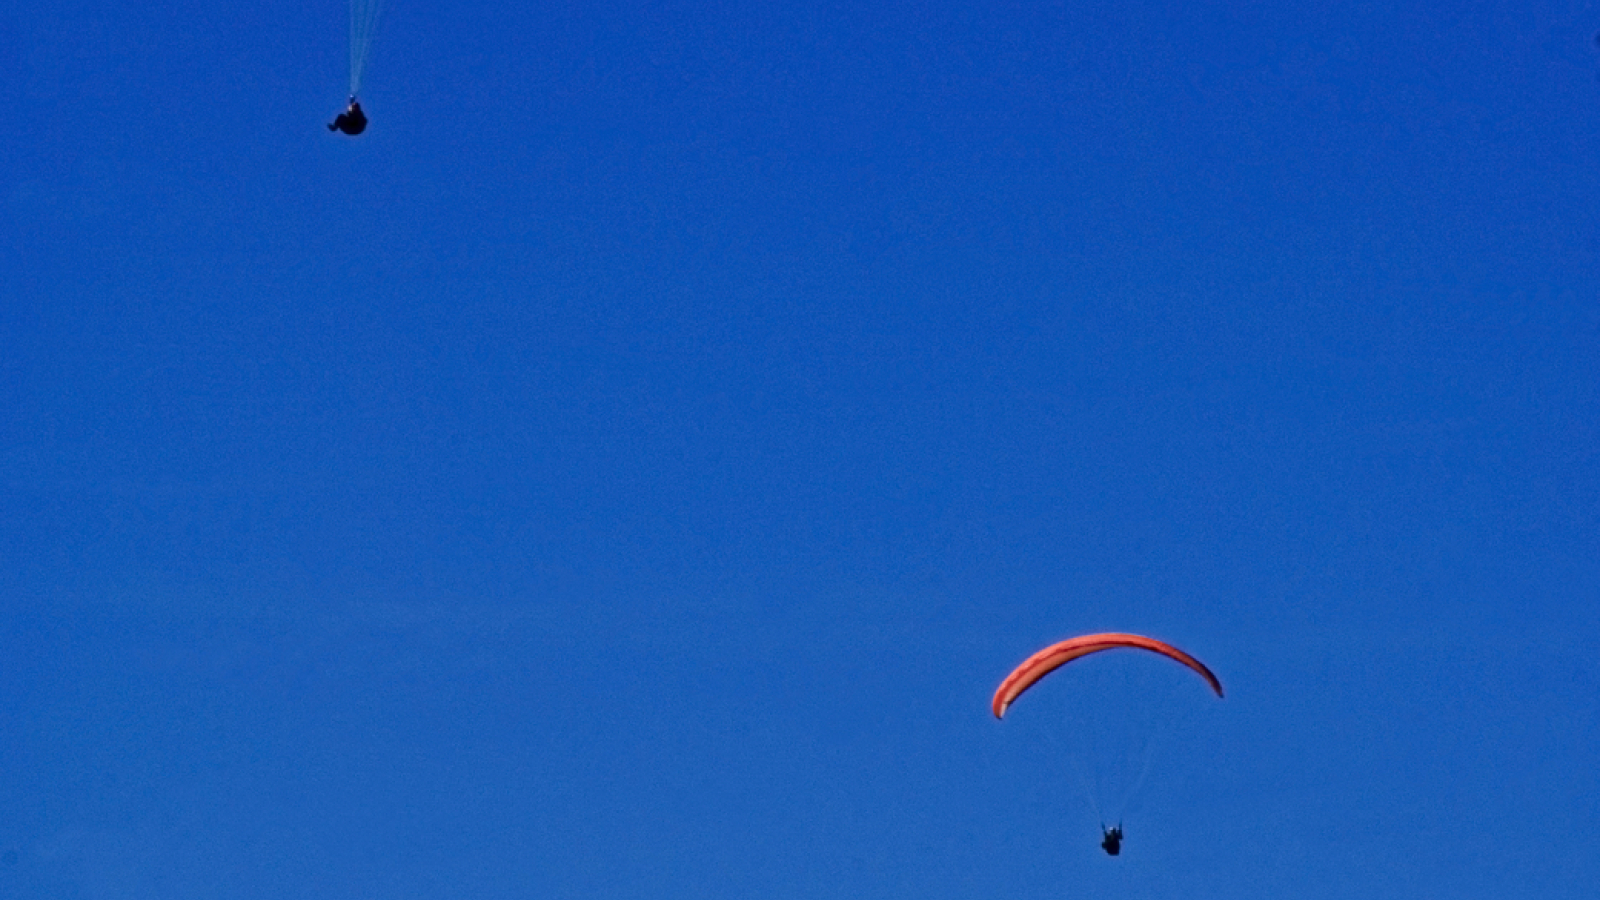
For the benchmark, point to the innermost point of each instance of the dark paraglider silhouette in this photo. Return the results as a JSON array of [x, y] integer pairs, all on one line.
[[352, 121], [363, 24], [1111, 839]]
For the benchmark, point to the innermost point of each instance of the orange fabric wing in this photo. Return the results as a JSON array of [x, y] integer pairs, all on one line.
[[1054, 656]]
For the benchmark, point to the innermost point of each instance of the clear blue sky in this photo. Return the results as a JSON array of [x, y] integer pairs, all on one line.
[[628, 468]]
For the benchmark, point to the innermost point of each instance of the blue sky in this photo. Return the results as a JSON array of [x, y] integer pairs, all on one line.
[[628, 469]]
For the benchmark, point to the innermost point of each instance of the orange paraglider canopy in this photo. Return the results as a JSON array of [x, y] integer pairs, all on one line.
[[1054, 656]]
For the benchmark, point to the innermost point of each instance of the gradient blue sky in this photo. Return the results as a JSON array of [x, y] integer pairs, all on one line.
[[627, 470]]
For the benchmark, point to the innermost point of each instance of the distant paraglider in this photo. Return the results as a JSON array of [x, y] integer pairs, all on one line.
[[1057, 655], [1111, 839], [352, 121], [363, 24]]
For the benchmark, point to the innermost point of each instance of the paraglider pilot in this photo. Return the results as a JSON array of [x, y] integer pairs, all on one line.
[[352, 121], [1112, 839]]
